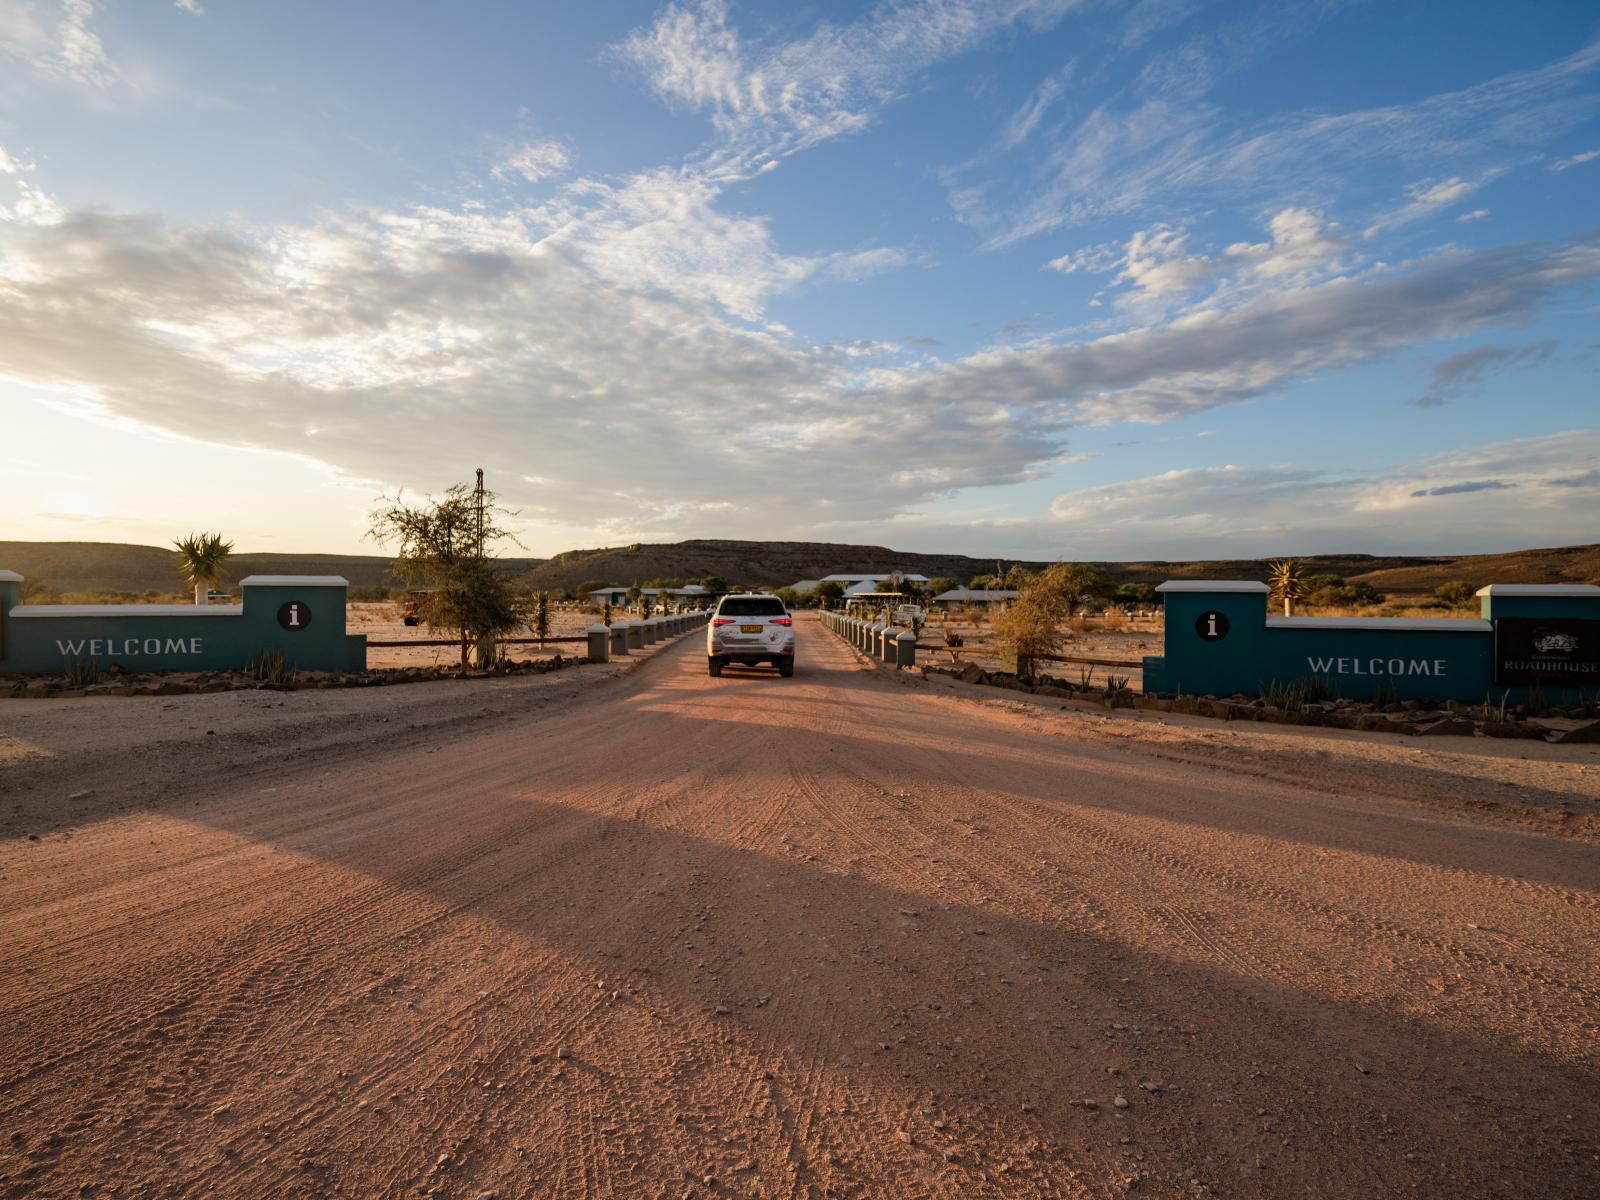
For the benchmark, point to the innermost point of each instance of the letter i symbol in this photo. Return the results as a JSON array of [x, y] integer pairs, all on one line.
[[294, 616], [1211, 625]]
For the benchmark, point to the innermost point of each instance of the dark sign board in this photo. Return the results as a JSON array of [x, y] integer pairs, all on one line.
[[1552, 653]]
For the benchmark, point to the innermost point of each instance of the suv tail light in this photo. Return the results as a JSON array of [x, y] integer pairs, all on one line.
[[783, 620], [722, 621]]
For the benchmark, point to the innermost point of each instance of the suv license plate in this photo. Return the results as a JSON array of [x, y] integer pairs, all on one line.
[[752, 629]]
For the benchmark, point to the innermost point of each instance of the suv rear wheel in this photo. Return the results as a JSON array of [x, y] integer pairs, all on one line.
[[714, 664], [786, 668]]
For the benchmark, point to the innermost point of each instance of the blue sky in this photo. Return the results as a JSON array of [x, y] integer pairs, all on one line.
[[1031, 278]]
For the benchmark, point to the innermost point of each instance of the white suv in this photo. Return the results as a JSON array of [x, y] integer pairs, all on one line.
[[750, 630]]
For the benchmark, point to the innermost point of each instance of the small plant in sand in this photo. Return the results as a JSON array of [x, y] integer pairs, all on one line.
[[953, 643], [605, 615], [539, 622], [1455, 593], [83, 672], [270, 667], [201, 558]]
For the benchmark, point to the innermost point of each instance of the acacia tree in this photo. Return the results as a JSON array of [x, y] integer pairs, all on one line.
[[442, 548], [201, 557], [1031, 627]]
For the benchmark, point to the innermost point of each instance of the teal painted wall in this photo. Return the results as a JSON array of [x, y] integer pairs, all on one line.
[[1426, 659], [43, 639]]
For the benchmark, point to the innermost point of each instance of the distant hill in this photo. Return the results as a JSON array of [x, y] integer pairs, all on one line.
[[112, 566], [774, 564]]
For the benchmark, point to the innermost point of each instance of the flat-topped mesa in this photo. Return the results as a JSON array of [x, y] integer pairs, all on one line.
[[1220, 640], [301, 617]]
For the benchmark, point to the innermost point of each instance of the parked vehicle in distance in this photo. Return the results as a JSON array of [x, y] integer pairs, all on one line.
[[217, 596], [910, 615], [750, 630]]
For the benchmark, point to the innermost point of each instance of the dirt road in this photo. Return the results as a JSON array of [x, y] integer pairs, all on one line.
[[840, 935]]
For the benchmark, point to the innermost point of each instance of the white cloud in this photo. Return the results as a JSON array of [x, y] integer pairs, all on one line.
[[532, 161], [593, 347], [1304, 246], [54, 36], [1156, 265], [1577, 160], [33, 206], [12, 166], [190, 6], [663, 230], [1159, 265], [1476, 214]]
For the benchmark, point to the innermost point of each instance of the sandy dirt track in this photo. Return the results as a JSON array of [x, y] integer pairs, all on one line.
[[651, 934]]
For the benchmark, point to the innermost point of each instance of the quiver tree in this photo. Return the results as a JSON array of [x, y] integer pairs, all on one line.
[[1286, 577], [201, 558], [442, 549]]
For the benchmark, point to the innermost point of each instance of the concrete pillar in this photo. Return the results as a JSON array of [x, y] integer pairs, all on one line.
[[619, 640], [652, 630], [905, 650], [599, 643], [635, 635]]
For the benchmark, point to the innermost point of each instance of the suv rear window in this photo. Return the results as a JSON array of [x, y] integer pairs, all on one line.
[[751, 606]]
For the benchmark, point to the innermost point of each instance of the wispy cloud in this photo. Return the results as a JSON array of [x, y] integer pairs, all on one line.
[[1426, 197], [1461, 489], [1472, 366], [1476, 214], [771, 101], [1499, 491], [532, 161], [1577, 160], [1026, 119], [1158, 145]]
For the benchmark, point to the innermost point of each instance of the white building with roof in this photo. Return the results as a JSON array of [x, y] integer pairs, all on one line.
[[857, 584], [958, 596]]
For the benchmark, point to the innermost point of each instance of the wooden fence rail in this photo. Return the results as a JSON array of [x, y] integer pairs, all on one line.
[[519, 641], [1066, 658]]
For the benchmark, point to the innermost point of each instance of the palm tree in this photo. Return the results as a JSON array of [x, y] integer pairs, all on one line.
[[1288, 582], [201, 557]]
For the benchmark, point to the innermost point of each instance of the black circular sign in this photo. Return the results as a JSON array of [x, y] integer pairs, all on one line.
[[1211, 625], [294, 616]]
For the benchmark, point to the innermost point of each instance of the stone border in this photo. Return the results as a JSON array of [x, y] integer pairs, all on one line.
[[59, 687], [1576, 725]]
